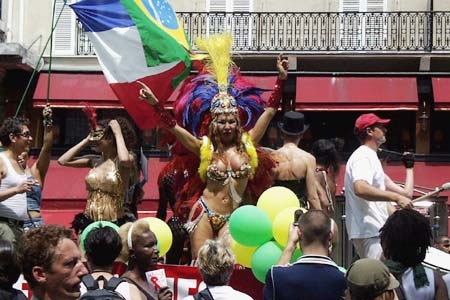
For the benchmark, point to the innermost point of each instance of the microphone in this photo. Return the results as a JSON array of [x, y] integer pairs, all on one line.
[[399, 153], [444, 187], [389, 151]]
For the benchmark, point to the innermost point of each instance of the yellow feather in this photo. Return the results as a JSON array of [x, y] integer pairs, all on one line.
[[251, 151], [219, 49], [205, 157]]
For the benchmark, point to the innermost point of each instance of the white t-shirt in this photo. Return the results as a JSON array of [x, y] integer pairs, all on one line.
[[364, 218], [224, 292]]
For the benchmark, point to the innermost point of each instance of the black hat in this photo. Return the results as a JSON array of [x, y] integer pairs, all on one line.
[[293, 123]]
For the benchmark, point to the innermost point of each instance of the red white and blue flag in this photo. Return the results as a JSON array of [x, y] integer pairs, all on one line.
[[137, 40]]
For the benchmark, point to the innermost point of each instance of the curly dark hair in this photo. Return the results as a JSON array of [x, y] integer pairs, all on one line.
[[326, 154], [128, 131], [37, 248], [103, 246], [11, 125], [406, 236]]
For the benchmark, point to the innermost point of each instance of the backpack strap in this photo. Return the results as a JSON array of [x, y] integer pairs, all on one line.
[[203, 295], [113, 283], [90, 282]]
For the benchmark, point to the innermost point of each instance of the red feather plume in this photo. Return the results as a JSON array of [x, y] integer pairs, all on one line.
[[91, 114]]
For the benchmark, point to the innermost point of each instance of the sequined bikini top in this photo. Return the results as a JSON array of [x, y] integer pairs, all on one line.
[[213, 172]]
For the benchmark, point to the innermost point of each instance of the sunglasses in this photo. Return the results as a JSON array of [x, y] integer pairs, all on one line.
[[25, 134]]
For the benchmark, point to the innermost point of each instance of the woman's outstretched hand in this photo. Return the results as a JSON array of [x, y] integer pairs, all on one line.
[[282, 66], [146, 94]]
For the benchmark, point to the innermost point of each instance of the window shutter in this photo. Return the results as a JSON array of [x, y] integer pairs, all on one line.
[[375, 5], [242, 6], [362, 5], [64, 34], [217, 6], [350, 5]]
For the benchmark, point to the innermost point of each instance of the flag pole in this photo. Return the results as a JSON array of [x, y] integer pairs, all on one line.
[[49, 40]]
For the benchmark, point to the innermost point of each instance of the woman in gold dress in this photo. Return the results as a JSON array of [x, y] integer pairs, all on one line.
[[109, 174]]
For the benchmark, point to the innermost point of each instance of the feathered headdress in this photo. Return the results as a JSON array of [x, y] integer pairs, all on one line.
[[91, 114], [219, 88]]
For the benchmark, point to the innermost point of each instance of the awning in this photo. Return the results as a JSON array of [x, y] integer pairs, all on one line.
[[71, 90], [441, 93], [356, 93]]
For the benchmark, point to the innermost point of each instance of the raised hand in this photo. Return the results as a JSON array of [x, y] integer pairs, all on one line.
[[47, 114], [146, 94], [408, 159], [282, 66]]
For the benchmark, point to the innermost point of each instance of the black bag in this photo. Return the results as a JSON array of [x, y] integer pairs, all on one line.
[[108, 292], [203, 295]]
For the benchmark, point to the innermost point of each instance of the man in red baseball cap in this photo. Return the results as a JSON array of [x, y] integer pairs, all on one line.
[[367, 120], [369, 192]]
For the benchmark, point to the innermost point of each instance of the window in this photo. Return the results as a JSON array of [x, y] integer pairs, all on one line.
[[368, 30], [72, 126], [239, 23], [64, 34]]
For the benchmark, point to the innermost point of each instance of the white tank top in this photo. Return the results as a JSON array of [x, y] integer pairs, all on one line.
[[14, 207], [425, 292]]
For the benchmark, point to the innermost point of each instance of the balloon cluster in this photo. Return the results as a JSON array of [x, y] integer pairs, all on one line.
[[260, 233]]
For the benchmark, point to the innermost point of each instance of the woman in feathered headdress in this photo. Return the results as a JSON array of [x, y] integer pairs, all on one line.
[[221, 118]]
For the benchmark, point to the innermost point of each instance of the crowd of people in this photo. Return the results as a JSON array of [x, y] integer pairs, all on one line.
[[217, 125]]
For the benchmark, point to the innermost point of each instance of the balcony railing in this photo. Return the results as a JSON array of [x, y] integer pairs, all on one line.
[[365, 32]]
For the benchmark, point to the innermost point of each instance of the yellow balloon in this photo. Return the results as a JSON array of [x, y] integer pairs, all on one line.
[[243, 253], [281, 224], [275, 199], [162, 232]]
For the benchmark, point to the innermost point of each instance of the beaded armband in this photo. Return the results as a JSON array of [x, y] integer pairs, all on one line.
[[166, 118], [275, 97]]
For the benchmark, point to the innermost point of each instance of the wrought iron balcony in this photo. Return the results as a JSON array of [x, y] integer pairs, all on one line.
[[364, 32]]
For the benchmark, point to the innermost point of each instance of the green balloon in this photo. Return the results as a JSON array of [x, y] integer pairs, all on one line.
[[264, 258], [92, 226], [250, 226]]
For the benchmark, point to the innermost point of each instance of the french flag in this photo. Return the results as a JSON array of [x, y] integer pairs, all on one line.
[[137, 40]]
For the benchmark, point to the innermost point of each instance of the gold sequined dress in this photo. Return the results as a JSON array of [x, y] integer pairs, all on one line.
[[106, 195]]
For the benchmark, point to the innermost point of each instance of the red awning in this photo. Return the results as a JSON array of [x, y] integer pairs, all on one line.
[[356, 93], [441, 93], [71, 90]]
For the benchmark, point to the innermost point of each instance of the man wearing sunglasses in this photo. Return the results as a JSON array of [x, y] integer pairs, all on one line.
[[15, 138]]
